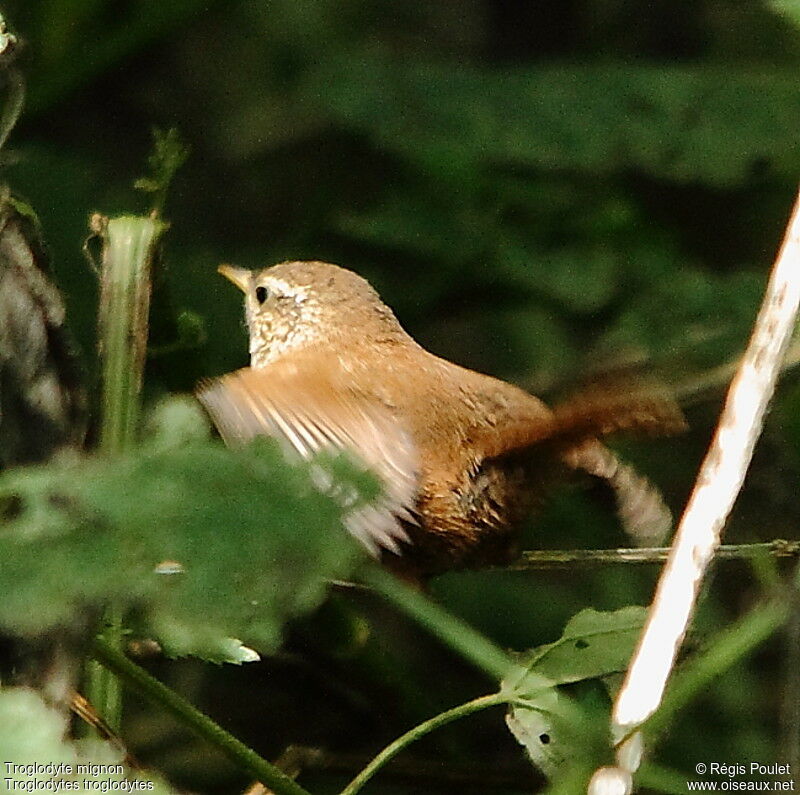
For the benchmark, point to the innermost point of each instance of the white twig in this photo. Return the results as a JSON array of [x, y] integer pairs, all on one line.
[[718, 483]]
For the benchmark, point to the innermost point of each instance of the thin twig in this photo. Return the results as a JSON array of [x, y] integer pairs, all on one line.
[[89, 715], [710, 383], [543, 559], [718, 483], [292, 761], [425, 773], [442, 719]]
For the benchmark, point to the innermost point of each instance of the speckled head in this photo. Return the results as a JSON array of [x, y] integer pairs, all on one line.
[[297, 305]]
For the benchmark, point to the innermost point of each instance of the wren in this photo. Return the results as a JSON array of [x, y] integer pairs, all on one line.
[[463, 457]]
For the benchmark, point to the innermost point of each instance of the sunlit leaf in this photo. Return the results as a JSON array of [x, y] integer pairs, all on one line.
[[594, 645]]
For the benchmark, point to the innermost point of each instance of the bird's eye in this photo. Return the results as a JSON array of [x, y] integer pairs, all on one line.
[[262, 293]]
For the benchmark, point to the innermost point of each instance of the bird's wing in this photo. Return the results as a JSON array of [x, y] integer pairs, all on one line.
[[313, 410]]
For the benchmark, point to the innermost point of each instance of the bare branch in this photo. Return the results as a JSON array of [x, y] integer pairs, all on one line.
[[718, 484], [539, 559]]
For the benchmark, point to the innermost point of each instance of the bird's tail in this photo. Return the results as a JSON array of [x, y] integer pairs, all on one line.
[[638, 407], [644, 515]]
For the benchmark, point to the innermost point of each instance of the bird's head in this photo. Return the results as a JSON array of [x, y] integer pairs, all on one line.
[[294, 306]]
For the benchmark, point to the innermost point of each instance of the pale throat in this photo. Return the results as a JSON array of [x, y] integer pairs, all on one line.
[[267, 347], [289, 327]]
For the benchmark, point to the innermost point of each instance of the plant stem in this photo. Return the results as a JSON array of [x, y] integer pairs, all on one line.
[[129, 246], [442, 719], [103, 691], [159, 694], [453, 631], [538, 559], [724, 650], [718, 484]]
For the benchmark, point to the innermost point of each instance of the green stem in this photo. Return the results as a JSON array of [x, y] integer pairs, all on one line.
[[102, 688], [129, 246], [539, 559], [159, 694], [442, 719], [451, 630]]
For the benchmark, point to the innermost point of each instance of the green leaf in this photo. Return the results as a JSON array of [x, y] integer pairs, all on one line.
[[25, 210], [594, 644], [550, 726], [202, 542], [546, 731], [237, 653]]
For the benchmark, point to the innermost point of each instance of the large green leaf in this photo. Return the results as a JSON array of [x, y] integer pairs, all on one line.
[[205, 543]]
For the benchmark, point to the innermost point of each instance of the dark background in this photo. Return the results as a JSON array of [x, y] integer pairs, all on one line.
[[541, 191]]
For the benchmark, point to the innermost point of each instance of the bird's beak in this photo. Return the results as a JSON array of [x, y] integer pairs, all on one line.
[[239, 276]]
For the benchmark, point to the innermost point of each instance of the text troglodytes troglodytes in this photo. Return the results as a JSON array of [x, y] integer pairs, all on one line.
[[463, 457]]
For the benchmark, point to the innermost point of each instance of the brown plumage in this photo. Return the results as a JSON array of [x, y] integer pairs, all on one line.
[[464, 457]]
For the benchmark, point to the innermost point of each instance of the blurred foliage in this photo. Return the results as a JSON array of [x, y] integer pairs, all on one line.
[[32, 737], [169, 154], [190, 585], [540, 190]]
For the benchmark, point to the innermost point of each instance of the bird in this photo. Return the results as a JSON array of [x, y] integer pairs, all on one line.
[[463, 457]]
